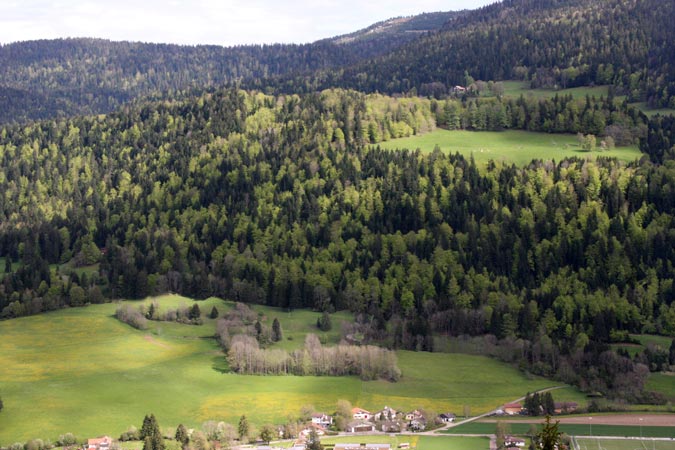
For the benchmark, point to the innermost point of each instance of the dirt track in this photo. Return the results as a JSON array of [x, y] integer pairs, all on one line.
[[648, 420]]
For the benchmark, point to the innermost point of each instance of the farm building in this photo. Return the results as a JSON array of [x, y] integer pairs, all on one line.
[[565, 407], [99, 443], [360, 426], [513, 408], [447, 417]]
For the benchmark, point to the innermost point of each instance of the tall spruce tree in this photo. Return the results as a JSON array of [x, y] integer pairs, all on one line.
[[276, 330], [182, 435], [243, 428], [151, 434]]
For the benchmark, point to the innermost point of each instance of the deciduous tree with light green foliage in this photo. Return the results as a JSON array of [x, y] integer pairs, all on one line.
[[267, 433]]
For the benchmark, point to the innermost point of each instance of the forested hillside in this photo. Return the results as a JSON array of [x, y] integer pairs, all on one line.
[[279, 200], [551, 43], [66, 77]]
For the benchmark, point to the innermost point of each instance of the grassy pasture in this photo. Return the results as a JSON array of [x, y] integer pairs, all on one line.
[[663, 383], [80, 370], [512, 146], [623, 444], [568, 428], [518, 88], [418, 442]]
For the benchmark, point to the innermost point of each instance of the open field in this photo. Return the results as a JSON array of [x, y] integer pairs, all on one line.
[[622, 425], [418, 442], [512, 146], [656, 420], [624, 444], [80, 370], [662, 382], [518, 88]]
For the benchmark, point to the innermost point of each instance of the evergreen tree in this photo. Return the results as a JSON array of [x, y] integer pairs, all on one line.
[[151, 434], [195, 313], [151, 312], [671, 354], [182, 435], [214, 313], [548, 404], [276, 330], [323, 323], [549, 437], [149, 423], [1, 404], [243, 428]]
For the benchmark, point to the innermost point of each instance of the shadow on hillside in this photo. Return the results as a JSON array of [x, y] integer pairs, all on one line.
[[219, 364]]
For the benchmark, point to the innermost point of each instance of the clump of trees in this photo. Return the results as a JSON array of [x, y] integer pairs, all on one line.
[[368, 362], [131, 316], [537, 404], [242, 320], [323, 323], [150, 434], [138, 317]]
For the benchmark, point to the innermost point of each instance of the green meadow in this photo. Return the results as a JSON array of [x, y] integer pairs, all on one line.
[[512, 146], [623, 444], [518, 88], [80, 370], [416, 442], [522, 428], [663, 382]]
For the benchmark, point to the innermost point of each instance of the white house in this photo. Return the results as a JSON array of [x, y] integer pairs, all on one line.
[[361, 414]]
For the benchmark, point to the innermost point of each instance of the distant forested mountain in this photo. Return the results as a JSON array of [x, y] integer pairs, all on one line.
[[564, 43], [66, 77]]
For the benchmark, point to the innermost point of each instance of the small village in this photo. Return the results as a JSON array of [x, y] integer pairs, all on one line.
[[363, 422]]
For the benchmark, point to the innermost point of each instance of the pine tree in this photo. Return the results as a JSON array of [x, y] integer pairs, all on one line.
[[323, 323], [151, 434], [671, 354], [147, 427], [549, 437], [182, 435], [151, 311], [276, 330], [214, 313], [549, 404], [243, 428], [195, 312]]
